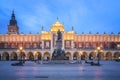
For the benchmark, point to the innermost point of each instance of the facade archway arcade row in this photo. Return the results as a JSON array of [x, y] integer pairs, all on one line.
[[70, 55]]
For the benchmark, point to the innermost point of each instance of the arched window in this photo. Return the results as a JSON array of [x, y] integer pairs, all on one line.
[[94, 45], [87, 45], [5, 46], [27, 46], [47, 44], [80, 45], [101, 45], [13, 46], [67, 44], [35, 45], [40, 46]]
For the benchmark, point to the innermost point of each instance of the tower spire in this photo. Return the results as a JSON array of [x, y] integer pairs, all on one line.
[[12, 27], [72, 28], [13, 15], [13, 21], [42, 28], [57, 19]]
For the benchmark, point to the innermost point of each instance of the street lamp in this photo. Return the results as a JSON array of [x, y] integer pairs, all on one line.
[[118, 46], [98, 50], [21, 50]]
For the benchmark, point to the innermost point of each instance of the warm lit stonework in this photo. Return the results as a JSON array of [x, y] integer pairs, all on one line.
[[41, 46]]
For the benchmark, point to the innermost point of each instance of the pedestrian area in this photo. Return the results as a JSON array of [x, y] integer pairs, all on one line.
[[109, 70]]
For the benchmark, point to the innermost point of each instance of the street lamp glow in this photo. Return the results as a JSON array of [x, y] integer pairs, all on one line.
[[81, 53], [95, 51], [98, 48], [118, 46], [21, 48], [101, 50], [35, 52]]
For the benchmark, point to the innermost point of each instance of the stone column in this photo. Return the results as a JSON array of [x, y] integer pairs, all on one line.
[[80, 56], [72, 44], [87, 56], [112, 56], [51, 42], [42, 44], [1, 55], [10, 56], [63, 40], [51, 46], [72, 56]]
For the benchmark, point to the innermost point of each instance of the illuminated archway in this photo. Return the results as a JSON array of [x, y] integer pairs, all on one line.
[[101, 55], [13, 56], [76, 56], [30, 56], [5, 56], [38, 55], [116, 55], [83, 55], [92, 55], [108, 56], [46, 56], [68, 56], [22, 55]]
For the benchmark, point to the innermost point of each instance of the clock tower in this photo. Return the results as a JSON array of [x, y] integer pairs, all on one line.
[[12, 27]]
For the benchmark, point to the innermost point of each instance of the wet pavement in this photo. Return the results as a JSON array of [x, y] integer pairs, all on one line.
[[109, 70]]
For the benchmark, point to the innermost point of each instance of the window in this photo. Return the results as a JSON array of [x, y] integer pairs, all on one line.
[[27, 46], [35, 45], [40, 46], [94, 45], [67, 44], [12, 46], [5, 46], [47, 44], [80, 45], [101, 45], [87, 45]]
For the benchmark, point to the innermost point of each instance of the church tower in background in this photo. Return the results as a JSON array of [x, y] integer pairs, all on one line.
[[12, 27]]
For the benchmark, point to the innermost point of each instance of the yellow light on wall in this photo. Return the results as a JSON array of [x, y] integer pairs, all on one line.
[[98, 48], [21, 48]]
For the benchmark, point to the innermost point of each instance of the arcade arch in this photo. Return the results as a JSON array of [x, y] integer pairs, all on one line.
[[108, 56], [76, 56], [22, 55], [5, 56], [116, 55], [83, 56], [14, 56], [30, 56], [38, 55], [92, 55], [68, 56], [46, 56]]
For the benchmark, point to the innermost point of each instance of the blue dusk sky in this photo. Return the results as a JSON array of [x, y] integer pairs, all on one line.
[[84, 15]]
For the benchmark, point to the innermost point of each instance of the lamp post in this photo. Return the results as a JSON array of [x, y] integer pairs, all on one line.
[[98, 50], [21, 50], [118, 46]]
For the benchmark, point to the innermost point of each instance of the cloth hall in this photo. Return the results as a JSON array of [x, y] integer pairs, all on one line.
[[82, 46]]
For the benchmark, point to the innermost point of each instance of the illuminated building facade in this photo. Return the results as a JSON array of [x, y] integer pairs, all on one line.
[[41, 46]]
